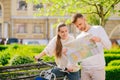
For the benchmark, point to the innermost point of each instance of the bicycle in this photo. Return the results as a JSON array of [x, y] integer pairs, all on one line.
[[47, 74]]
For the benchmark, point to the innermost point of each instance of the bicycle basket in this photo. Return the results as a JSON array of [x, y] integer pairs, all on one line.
[[48, 75]]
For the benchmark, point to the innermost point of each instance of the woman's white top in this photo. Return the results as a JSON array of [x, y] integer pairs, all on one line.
[[50, 51]]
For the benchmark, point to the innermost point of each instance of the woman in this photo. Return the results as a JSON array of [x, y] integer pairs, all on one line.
[[55, 48]]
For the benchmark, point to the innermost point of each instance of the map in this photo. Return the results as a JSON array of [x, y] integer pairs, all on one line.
[[81, 48]]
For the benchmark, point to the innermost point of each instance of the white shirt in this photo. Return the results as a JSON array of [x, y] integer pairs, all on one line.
[[50, 51], [97, 61]]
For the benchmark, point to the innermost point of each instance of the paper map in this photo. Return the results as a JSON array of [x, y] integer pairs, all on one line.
[[81, 48]]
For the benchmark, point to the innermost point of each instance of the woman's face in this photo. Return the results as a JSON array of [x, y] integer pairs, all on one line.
[[63, 32]]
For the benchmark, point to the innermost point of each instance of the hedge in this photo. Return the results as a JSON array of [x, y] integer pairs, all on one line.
[[114, 63], [3, 47], [110, 57], [21, 60], [113, 73], [112, 51]]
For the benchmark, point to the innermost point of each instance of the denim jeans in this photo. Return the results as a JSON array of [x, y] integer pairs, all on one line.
[[70, 75]]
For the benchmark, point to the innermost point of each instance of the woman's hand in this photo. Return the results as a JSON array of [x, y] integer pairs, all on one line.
[[70, 68], [39, 55], [36, 57]]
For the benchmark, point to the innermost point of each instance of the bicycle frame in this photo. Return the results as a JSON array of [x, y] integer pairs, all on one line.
[[47, 74]]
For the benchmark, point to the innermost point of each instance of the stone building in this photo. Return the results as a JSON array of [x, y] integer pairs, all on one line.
[[17, 20]]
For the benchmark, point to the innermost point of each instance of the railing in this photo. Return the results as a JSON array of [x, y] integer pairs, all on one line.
[[21, 72]]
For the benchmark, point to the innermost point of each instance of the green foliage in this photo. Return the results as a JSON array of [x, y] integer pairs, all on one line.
[[15, 46], [21, 60], [101, 8], [93, 19], [3, 47], [4, 58], [21, 50], [113, 73], [110, 57], [114, 63], [112, 51], [36, 49], [48, 59]]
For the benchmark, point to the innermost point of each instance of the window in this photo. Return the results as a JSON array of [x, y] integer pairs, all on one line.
[[37, 6], [0, 11], [38, 28], [0, 30], [21, 28], [22, 5]]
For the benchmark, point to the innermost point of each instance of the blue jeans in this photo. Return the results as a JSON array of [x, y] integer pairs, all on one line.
[[70, 75]]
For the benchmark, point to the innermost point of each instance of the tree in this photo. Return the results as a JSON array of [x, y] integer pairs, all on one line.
[[96, 8]]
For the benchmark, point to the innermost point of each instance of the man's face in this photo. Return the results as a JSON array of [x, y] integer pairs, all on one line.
[[80, 24]]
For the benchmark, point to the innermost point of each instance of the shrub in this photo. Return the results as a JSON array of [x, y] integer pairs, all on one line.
[[110, 57], [112, 51], [114, 63], [15, 46], [21, 60], [2, 47], [113, 73], [48, 59], [37, 49], [4, 58]]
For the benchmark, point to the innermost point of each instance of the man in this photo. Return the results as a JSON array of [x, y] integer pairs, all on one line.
[[93, 68]]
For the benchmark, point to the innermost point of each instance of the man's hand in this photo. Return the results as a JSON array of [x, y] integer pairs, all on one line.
[[95, 39]]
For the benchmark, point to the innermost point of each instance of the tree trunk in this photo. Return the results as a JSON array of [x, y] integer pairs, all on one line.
[[102, 21]]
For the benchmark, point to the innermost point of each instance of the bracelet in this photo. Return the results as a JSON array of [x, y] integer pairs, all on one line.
[[65, 69]]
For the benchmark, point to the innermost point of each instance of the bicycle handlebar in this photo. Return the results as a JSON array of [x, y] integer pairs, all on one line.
[[40, 61]]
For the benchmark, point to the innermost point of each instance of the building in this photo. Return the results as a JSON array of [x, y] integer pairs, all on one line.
[[17, 20], [113, 26]]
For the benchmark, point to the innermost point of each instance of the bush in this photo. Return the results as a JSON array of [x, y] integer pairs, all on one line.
[[113, 73], [112, 51], [2, 47], [15, 46], [48, 59], [17, 49], [114, 63], [21, 60], [37, 49], [4, 58], [110, 57]]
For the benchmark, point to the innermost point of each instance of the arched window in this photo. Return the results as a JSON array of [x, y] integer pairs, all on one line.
[[22, 5], [115, 33]]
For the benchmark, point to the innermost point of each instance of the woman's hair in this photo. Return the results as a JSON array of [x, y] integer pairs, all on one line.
[[76, 16], [58, 49]]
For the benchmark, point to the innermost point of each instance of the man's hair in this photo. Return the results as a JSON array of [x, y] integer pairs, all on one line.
[[76, 16]]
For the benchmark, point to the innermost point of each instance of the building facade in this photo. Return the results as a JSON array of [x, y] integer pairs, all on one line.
[[113, 24], [17, 20]]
